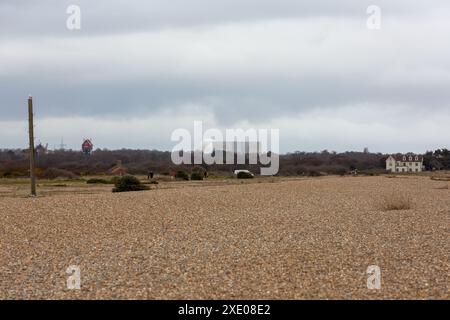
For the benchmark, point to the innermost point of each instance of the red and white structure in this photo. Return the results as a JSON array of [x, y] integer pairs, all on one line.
[[87, 146]]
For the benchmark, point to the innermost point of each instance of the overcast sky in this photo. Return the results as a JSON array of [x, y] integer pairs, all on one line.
[[137, 70]]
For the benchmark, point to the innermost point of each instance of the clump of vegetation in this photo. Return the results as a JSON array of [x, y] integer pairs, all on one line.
[[396, 201], [129, 183], [314, 173], [196, 176], [372, 172], [54, 173], [182, 175], [151, 182], [115, 179], [437, 160], [244, 175], [98, 181], [12, 174]]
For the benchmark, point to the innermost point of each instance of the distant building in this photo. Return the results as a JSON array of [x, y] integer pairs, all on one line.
[[87, 146], [404, 163], [119, 169]]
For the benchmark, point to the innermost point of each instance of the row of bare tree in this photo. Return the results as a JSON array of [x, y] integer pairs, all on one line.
[[15, 162]]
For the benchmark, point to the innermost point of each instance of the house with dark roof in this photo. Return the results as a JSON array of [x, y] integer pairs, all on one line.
[[404, 163]]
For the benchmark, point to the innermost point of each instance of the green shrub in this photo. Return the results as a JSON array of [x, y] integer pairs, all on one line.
[[244, 175], [129, 183], [196, 176], [314, 173], [182, 175], [97, 180], [340, 171], [115, 179]]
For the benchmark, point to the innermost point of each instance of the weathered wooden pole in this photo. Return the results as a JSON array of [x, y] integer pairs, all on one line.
[[31, 150]]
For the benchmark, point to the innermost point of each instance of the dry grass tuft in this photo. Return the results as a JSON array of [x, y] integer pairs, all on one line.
[[397, 201]]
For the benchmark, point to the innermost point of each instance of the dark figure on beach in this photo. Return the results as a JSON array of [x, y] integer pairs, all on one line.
[[150, 175], [205, 174]]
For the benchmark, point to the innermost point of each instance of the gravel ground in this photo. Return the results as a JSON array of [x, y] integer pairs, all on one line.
[[299, 239]]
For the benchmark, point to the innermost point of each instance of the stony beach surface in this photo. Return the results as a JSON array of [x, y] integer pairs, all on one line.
[[288, 239]]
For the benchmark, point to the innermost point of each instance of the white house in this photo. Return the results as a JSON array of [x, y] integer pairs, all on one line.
[[404, 163]]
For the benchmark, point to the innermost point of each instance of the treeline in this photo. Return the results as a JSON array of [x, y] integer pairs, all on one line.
[[437, 160], [317, 163], [14, 163]]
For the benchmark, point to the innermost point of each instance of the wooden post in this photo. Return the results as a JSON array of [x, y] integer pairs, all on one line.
[[31, 150]]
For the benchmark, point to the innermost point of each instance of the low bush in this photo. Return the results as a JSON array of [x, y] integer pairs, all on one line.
[[314, 173], [115, 179], [182, 175], [372, 172], [129, 183], [244, 175], [98, 181], [196, 176], [54, 173], [13, 174]]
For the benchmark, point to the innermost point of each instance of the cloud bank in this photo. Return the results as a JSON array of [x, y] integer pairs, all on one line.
[[136, 71]]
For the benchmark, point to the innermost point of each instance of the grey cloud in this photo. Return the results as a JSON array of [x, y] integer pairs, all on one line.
[[47, 17], [230, 102], [235, 60]]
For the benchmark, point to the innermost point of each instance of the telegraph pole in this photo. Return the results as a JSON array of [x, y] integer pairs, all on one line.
[[31, 150]]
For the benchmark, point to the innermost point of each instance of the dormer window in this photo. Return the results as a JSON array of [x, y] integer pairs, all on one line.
[[404, 158], [417, 158], [410, 158]]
